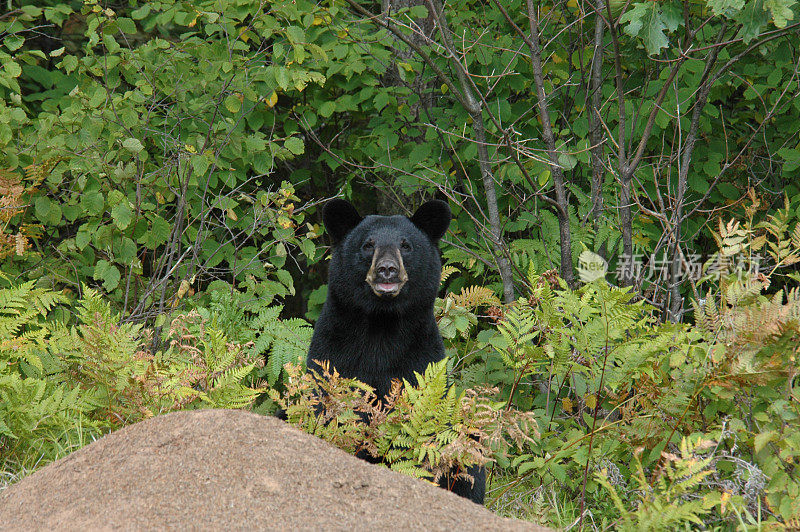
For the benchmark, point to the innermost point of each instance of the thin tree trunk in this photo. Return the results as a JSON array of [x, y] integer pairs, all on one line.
[[595, 128], [550, 145], [676, 300], [389, 200], [465, 95], [473, 107], [625, 173]]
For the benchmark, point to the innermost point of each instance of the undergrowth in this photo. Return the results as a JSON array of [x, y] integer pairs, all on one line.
[[588, 411], [424, 429], [67, 379]]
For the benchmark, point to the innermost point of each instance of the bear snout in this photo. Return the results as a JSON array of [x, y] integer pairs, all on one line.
[[387, 274], [387, 270]]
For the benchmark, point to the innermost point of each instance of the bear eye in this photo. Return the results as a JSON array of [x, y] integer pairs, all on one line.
[[368, 245], [405, 246]]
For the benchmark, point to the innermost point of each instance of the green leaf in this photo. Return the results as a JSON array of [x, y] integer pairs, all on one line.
[[126, 25], [762, 439], [83, 237], [13, 69], [122, 214], [327, 108], [125, 250], [16, 114], [729, 191], [308, 247], [295, 34], [418, 11], [133, 145], [382, 99], [792, 158], [92, 202], [725, 7], [139, 14], [41, 206], [282, 78], [14, 42], [294, 145], [108, 273], [157, 234], [781, 11], [649, 21], [98, 98], [544, 177], [200, 164], [233, 104], [69, 63], [567, 160], [753, 17]]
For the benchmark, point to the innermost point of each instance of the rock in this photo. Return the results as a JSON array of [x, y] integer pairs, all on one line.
[[224, 469]]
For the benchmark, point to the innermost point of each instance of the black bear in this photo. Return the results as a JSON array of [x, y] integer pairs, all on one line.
[[377, 322]]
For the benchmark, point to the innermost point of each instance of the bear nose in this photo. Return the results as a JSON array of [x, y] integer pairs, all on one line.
[[387, 269]]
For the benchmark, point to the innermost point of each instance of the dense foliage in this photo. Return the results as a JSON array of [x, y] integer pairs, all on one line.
[[621, 269]]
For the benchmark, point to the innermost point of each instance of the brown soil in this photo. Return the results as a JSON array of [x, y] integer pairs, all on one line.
[[222, 469]]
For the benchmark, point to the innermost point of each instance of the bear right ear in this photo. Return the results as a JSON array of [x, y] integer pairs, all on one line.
[[340, 217], [433, 219]]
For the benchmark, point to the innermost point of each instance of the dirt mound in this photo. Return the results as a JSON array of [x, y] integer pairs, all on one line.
[[218, 469]]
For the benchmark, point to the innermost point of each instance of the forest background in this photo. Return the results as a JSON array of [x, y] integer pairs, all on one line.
[[621, 269]]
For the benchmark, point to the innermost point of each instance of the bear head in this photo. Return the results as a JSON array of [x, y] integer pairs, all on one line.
[[385, 264]]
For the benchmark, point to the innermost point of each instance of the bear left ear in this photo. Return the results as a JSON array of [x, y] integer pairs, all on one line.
[[340, 217], [433, 219]]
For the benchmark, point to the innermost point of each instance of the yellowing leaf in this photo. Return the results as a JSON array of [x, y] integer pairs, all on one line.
[[20, 243], [566, 404], [272, 100], [762, 439], [591, 401], [183, 288], [233, 103]]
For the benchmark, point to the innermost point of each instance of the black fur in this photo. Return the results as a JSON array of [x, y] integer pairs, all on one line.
[[377, 339]]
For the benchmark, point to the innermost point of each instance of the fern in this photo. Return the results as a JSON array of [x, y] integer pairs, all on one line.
[[447, 271], [672, 500], [425, 431], [518, 328], [279, 341], [475, 296]]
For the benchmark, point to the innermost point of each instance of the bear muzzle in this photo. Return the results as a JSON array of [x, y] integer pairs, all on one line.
[[386, 275]]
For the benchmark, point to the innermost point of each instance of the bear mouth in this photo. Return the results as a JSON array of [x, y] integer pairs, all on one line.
[[386, 289]]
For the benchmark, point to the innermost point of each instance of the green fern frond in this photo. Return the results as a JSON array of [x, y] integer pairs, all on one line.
[[447, 271]]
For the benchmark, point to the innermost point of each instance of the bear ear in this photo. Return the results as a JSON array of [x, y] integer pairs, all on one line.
[[340, 217], [433, 219]]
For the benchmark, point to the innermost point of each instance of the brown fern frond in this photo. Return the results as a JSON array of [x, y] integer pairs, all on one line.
[[36, 173], [475, 296], [11, 191]]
